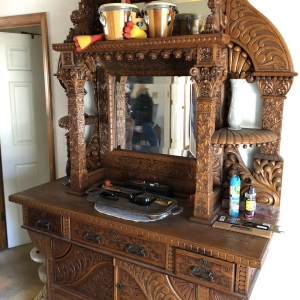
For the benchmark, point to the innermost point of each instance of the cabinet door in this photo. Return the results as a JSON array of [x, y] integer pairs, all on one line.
[[86, 272], [138, 282]]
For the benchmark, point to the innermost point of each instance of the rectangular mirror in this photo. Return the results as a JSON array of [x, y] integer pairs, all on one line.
[[156, 114]]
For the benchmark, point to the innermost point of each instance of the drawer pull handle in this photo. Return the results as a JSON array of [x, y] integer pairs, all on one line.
[[113, 233], [119, 286], [92, 237], [202, 273], [135, 250], [42, 224]]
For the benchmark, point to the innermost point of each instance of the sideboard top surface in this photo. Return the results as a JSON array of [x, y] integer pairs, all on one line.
[[176, 231]]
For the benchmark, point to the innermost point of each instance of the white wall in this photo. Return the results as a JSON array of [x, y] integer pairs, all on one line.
[[278, 278], [58, 19]]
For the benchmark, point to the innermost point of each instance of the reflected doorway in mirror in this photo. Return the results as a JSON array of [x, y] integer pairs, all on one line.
[[172, 114]]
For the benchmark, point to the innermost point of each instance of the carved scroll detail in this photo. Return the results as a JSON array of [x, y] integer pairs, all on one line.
[[262, 42], [267, 175]]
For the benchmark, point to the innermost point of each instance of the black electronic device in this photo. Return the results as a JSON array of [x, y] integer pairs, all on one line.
[[150, 187]]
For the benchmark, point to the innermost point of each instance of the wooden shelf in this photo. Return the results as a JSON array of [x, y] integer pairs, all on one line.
[[183, 41], [164, 56], [64, 121], [245, 136]]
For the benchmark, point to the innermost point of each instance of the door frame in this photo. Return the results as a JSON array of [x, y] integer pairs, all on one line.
[[30, 20]]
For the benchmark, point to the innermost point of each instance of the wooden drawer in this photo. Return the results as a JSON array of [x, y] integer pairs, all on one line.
[[204, 270], [109, 239], [85, 272], [44, 221]]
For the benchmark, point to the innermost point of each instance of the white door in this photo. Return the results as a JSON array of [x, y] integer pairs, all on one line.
[[177, 117], [23, 131]]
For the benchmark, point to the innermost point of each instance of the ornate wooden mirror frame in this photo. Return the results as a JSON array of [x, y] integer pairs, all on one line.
[[243, 44]]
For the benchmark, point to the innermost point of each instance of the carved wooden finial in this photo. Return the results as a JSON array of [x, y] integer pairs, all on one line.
[[216, 21]]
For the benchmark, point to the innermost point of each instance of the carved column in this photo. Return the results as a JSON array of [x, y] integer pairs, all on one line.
[[208, 82], [273, 90], [78, 175], [74, 79]]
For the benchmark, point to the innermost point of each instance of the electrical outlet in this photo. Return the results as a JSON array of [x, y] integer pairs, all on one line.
[[154, 95]]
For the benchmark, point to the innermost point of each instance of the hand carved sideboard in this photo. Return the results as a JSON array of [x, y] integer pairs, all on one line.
[[94, 256]]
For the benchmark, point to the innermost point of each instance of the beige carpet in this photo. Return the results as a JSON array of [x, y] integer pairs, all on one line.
[[19, 279]]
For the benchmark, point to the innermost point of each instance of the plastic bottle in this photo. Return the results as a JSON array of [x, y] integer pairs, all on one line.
[[234, 196], [250, 203]]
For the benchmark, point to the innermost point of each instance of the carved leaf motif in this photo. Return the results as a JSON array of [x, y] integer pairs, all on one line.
[[74, 80], [208, 80], [277, 86], [267, 176]]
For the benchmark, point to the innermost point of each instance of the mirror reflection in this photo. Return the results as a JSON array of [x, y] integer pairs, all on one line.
[[156, 114]]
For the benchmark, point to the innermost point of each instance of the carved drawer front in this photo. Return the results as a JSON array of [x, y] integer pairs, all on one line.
[[139, 282], [204, 270], [110, 239], [44, 221], [85, 272]]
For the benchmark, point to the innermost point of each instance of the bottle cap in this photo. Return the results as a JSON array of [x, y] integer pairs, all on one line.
[[251, 190], [235, 180]]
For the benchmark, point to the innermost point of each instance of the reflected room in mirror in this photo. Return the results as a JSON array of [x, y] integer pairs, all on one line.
[[156, 114]]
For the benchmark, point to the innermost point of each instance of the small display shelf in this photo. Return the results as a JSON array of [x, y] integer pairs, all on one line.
[[245, 136], [64, 121]]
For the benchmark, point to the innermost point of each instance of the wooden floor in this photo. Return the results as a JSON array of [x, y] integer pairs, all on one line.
[[19, 279]]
